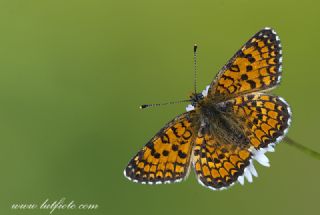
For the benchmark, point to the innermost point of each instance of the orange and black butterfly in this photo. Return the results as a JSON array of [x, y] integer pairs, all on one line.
[[231, 123]]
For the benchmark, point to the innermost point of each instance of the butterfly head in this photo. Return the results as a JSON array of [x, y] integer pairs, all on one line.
[[195, 98]]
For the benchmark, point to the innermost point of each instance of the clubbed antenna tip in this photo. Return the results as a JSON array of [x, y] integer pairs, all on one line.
[[143, 106], [195, 46]]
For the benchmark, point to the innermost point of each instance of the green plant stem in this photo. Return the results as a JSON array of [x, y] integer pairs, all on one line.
[[302, 148]]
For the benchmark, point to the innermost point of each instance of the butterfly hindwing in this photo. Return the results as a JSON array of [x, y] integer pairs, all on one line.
[[166, 157], [255, 67], [218, 165], [265, 118]]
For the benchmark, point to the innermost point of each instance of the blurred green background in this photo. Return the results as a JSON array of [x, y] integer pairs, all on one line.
[[73, 73]]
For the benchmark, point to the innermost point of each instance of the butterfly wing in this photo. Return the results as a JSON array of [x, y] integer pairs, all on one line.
[[166, 157], [217, 165], [265, 118], [255, 67]]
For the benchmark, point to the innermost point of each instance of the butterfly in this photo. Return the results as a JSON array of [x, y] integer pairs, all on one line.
[[234, 121]]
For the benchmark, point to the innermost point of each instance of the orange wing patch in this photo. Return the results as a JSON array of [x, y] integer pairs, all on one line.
[[266, 118], [166, 157], [219, 165], [255, 67]]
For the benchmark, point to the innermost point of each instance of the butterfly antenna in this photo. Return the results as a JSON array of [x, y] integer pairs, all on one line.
[[195, 46], [162, 104], [302, 148]]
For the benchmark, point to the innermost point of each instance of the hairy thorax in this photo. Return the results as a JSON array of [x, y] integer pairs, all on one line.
[[212, 118]]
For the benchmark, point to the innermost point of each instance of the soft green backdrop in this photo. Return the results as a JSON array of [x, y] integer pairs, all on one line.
[[73, 73]]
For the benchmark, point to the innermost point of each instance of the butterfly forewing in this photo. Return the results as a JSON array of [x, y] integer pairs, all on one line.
[[166, 157], [255, 67]]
